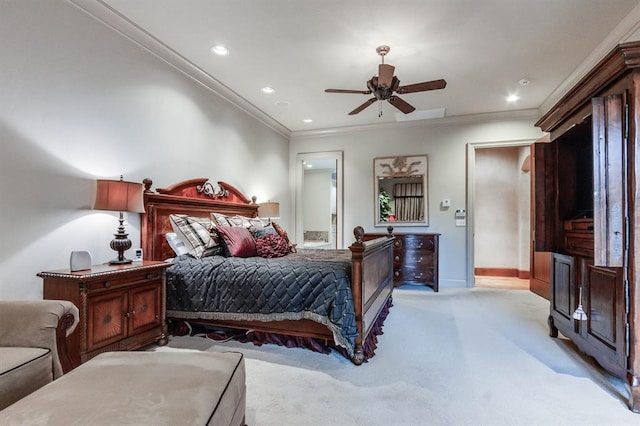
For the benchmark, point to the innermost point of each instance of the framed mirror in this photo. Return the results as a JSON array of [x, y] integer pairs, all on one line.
[[319, 200], [401, 191]]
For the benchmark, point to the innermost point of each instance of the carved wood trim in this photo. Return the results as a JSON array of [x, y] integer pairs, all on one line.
[[67, 360]]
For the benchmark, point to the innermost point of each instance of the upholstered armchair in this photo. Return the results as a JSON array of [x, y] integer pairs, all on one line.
[[33, 345]]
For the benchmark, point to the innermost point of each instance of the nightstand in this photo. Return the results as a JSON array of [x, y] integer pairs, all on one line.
[[122, 307]]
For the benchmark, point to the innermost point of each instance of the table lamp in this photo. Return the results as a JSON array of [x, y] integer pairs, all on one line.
[[119, 196], [269, 210]]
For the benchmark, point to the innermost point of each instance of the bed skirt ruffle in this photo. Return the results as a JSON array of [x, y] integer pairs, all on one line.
[[180, 327]]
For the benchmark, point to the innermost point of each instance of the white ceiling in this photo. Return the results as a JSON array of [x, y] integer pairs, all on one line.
[[301, 47]]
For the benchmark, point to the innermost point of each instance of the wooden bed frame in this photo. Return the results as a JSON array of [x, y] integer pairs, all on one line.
[[372, 261]]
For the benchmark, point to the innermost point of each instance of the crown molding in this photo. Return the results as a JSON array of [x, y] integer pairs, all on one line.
[[523, 114], [621, 33], [105, 14]]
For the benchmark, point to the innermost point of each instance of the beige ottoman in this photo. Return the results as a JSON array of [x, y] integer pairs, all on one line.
[[140, 388]]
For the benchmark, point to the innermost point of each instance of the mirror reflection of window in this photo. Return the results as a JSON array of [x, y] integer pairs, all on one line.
[[401, 199], [401, 191]]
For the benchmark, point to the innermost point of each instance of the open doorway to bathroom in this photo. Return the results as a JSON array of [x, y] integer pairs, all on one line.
[[500, 223]]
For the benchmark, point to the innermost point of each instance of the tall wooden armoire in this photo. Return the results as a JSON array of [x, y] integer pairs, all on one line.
[[587, 213]]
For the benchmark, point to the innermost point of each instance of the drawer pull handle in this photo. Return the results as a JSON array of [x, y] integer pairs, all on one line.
[[397, 243], [130, 314], [106, 284], [396, 273], [420, 245], [150, 275], [397, 258]]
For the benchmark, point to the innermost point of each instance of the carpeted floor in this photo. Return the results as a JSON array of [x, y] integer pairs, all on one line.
[[458, 357]]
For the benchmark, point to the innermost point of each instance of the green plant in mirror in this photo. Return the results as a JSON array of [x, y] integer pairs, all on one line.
[[385, 205]]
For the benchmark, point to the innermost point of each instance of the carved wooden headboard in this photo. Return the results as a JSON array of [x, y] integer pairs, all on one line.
[[194, 197]]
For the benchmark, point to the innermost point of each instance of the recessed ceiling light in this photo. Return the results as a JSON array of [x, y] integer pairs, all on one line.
[[308, 120], [512, 98], [220, 50], [282, 104], [268, 90]]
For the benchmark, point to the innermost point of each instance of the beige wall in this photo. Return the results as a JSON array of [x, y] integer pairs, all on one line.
[[501, 209]]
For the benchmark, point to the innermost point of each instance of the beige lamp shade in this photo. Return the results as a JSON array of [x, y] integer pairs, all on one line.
[[119, 196], [269, 210]]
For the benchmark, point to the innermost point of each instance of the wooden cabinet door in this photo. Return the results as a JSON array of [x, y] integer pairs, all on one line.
[[605, 327], [563, 292], [543, 205], [106, 319], [609, 159], [144, 311], [543, 192]]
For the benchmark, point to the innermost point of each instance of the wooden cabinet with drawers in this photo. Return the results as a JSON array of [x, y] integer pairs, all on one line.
[[122, 307], [415, 258]]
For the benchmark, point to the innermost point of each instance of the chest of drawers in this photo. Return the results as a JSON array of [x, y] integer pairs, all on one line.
[[415, 258]]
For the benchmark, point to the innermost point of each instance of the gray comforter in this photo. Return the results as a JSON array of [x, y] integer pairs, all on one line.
[[310, 284]]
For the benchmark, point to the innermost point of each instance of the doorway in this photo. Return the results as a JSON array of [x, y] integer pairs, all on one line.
[[498, 218], [319, 200]]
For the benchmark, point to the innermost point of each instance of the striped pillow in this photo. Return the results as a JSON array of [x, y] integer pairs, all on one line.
[[197, 235]]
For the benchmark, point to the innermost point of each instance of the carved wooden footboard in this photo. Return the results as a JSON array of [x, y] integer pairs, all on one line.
[[372, 261]]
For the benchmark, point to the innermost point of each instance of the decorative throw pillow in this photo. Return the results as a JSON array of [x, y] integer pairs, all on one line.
[[245, 222], [177, 245], [238, 241], [283, 234], [219, 219], [196, 234], [259, 232], [272, 246]]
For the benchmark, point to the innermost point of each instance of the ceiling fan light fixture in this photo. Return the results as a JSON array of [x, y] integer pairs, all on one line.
[[386, 85]]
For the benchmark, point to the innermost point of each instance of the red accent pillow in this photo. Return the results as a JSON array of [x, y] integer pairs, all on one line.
[[272, 246], [238, 241], [283, 234]]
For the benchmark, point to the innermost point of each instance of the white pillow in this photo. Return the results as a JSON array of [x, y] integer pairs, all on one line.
[[176, 244]]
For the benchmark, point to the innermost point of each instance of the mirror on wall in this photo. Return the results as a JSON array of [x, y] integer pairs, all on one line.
[[401, 191], [319, 200]]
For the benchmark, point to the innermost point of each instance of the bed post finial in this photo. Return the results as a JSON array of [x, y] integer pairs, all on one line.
[[390, 230], [147, 184], [358, 232], [254, 199]]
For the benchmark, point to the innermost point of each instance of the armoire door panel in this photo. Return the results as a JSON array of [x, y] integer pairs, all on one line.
[[562, 286], [609, 159], [605, 308], [544, 196]]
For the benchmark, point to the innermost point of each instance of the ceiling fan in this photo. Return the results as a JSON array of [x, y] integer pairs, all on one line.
[[385, 84]]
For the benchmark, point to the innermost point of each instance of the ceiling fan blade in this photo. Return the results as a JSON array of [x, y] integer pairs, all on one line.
[[359, 92], [385, 75], [363, 106], [401, 105], [422, 87]]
